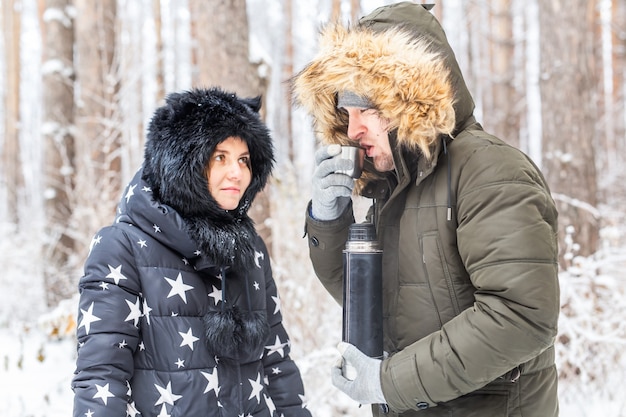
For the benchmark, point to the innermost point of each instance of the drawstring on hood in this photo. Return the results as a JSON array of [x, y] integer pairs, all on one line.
[[449, 178]]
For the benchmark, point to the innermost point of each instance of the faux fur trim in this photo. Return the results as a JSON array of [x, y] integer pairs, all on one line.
[[181, 139], [405, 79], [225, 243], [236, 334]]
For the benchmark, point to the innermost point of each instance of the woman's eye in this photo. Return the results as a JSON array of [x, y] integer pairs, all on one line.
[[219, 158], [245, 161]]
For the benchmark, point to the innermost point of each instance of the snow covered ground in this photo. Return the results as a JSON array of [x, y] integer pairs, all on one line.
[[36, 374], [36, 370], [37, 348]]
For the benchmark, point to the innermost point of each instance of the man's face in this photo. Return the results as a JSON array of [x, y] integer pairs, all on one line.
[[366, 127]]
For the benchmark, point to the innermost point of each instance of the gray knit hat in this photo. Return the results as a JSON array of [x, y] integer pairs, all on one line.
[[350, 99]]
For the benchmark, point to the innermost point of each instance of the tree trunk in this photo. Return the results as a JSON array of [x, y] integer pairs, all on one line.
[[58, 119], [97, 116], [335, 12], [504, 119], [221, 58], [158, 30], [567, 85], [9, 144]]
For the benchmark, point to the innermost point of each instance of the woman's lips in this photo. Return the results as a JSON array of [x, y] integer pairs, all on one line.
[[231, 189]]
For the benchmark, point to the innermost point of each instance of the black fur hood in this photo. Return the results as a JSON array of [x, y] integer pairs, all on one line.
[[182, 135]]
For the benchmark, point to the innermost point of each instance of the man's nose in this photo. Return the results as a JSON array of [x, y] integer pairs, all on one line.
[[356, 128]]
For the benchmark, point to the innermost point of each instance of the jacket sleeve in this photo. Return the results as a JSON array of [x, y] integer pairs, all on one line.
[[507, 240], [327, 240], [284, 381], [107, 331]]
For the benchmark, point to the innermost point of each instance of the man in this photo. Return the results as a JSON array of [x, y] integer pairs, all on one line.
[[467, 225]]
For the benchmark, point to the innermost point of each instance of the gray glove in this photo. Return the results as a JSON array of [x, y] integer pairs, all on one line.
[[331, 191], [364, 385]]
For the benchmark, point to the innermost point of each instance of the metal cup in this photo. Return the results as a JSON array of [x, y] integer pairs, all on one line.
[[356, 155]]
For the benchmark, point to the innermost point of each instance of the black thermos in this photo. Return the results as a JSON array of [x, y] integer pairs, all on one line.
[[362, 291]]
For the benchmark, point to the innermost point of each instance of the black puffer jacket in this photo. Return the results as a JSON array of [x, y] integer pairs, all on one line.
[[179, 313]]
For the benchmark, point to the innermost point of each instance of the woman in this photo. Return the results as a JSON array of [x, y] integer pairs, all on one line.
[[179, 313]]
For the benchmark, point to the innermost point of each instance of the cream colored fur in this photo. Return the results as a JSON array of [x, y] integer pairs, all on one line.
[[405, 80]]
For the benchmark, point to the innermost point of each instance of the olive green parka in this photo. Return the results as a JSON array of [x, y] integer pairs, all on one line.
[[467, 224]]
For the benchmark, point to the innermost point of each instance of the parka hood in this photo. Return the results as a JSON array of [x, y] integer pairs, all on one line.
[[397, 57], [184, 133], [182, 136]]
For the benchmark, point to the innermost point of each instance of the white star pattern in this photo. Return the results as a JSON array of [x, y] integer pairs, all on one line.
[[257, 387], [212, 382], [277, 302], [167, 396], [103, 393], [257, 256], [116, 274], [216, 295], [130, 192], [178, 287], [94, 241], [277, 347], [146, 189], [146, 310], [270, 404], [135, 311], [188, 339], [139, 313], [163, 412], [88, 318], [131, 410]]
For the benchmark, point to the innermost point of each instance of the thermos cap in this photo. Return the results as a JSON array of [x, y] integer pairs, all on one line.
[[362, 238], [362, 232]]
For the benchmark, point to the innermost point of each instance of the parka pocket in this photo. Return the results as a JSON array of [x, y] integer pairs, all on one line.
[[439, 278]]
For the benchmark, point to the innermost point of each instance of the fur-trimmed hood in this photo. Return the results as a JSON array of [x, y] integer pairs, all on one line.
[[399, 58], [182, 136]]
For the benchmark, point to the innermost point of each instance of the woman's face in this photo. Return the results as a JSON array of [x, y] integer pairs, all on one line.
[[229, 172]]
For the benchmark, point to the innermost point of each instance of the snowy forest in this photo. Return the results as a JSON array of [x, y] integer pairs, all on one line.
[[80, 79]]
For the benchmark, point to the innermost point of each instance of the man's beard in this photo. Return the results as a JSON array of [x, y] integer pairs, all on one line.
[[384, 163]]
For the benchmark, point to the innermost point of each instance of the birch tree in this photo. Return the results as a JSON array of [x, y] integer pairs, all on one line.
[[221, 58], [9, 144], [58, 117], [97, 121], [567, 86]]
